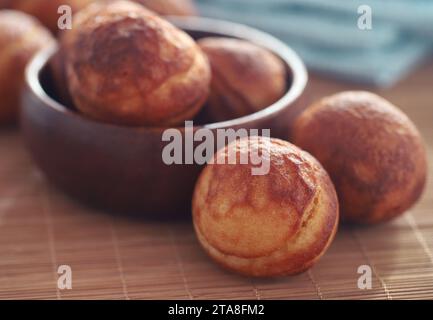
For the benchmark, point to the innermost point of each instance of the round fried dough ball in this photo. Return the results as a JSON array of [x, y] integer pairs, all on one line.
[[163, 7], [277, 223], [125, 65], [372, 151], [245, 78]]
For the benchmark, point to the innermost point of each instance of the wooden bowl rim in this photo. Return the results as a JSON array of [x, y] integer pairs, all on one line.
[[192, 24]]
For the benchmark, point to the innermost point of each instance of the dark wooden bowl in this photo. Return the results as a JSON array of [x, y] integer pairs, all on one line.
[[120, 168]]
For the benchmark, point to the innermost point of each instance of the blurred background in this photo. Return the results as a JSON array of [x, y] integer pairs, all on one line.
[[327, 36]]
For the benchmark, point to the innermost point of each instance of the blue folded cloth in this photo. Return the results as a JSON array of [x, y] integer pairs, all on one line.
[[326, 33]]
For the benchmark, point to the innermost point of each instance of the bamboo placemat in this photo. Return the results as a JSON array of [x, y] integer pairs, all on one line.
[[119, 258]]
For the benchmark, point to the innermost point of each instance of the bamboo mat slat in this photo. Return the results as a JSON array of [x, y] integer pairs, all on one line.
[[117, 258]]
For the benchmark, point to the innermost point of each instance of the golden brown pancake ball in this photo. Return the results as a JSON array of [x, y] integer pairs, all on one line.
[[171, 7], [126, 65], [372, 151], [47, 10], [268, 225], [163, 7], [245, 78], [21, 36], [58, 61]]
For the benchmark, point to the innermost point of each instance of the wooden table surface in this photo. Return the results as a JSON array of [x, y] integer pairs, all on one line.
[[119, 258]]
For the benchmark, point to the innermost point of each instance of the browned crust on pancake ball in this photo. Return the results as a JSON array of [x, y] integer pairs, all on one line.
[[171, 7], [47, 10], [21, 36], [128, 66], [245, 77], [372, 151], [270, 225], [58, 61]]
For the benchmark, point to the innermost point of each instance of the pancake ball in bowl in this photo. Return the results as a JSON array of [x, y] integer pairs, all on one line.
[[277, 223], [246, 78], [21, 36], [127, 66], [57, 63], [65, 37], [372, 151]]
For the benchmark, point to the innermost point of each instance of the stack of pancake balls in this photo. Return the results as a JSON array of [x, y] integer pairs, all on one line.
[[122, 63]]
